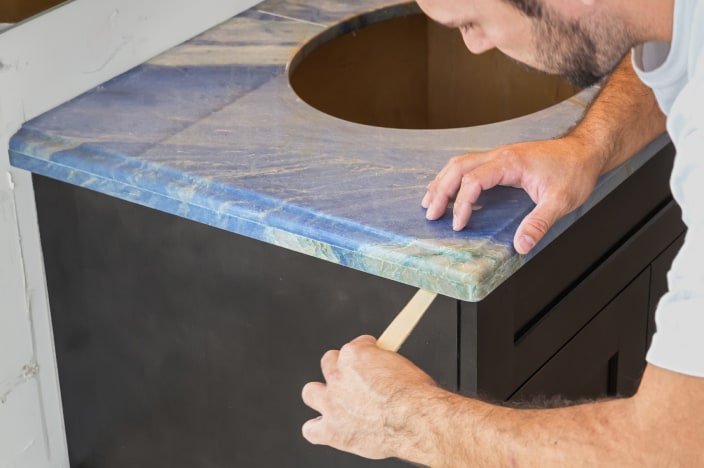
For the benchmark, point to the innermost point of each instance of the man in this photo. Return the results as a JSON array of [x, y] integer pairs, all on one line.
[[377, 404]]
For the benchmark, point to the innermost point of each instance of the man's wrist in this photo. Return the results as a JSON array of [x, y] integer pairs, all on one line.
[[429, 414], [593, 152]]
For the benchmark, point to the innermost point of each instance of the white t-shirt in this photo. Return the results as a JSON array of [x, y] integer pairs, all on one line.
[[676, 73]]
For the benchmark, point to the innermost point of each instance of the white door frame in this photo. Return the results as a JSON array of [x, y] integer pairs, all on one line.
[[44, 62]]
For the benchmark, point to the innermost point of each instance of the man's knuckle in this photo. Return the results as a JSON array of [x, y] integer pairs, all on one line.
[[327, 356], [312, 434], [469, 179], [455, 161], [509, 155], [454, 166]]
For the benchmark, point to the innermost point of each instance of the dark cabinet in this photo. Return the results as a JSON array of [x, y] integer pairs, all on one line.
[[185, 346], [613, 367], [181, 345], [607, 268]]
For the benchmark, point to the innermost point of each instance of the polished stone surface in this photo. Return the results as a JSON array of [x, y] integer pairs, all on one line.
[[212, 131]]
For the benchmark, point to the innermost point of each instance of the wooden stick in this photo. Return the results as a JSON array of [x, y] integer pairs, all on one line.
[[406, 320]]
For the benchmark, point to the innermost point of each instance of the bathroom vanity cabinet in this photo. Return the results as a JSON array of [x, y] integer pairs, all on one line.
[[576, 320], [211, 225], [186, 345]]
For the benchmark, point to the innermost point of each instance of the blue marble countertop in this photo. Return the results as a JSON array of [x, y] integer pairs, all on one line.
[[212, 131]]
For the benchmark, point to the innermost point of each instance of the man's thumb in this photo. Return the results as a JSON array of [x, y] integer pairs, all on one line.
[[533, 228]]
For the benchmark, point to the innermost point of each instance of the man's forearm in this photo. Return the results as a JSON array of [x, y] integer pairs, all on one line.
[[482, 434], [653, 428], [623, 118], [377, 404]]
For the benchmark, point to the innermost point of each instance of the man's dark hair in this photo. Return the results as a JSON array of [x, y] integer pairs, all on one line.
[[530, 8]]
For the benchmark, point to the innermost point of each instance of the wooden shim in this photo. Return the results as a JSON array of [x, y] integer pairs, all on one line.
[[398, 330]]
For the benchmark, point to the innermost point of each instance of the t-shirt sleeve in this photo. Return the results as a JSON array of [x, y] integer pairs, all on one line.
[[650, 55], [678, 344]]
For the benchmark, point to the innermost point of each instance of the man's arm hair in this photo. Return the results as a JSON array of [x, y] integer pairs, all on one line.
[[622, 119], [661, 425]]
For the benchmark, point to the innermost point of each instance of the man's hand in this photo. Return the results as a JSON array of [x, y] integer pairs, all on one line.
[[377, 404], [558, 175], [366, 401]]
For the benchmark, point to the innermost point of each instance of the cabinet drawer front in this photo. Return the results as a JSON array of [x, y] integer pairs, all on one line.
[[605, 358]]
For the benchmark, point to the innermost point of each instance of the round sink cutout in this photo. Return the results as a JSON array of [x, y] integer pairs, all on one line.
[[397, 68]]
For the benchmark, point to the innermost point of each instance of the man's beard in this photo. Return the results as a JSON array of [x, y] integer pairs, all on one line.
[[583, 59]]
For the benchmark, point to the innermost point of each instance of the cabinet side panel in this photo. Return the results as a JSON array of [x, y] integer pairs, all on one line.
[[182, 345]]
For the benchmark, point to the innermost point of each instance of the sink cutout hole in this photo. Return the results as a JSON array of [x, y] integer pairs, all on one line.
[[397, 68]]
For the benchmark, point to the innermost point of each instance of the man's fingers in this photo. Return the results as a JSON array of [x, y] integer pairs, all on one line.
[[328, 363], [472, 184], [437, 206], [366, 339], [447, 183], [443, 189], [313, 394], [356, 345], [427, 198]]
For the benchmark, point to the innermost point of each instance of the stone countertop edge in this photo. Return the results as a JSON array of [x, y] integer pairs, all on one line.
[[212, 131]]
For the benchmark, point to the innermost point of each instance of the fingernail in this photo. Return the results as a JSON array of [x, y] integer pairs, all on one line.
[[456, 225], [527, 243], [426, 199]]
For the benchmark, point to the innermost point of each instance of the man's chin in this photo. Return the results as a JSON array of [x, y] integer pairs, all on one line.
[[534, 69], [579, 78], [585, 76]]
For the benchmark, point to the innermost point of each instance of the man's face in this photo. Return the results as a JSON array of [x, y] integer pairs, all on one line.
[[564, 39]]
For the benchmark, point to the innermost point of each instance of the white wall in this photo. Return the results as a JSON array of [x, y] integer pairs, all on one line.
[[44, 62]]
